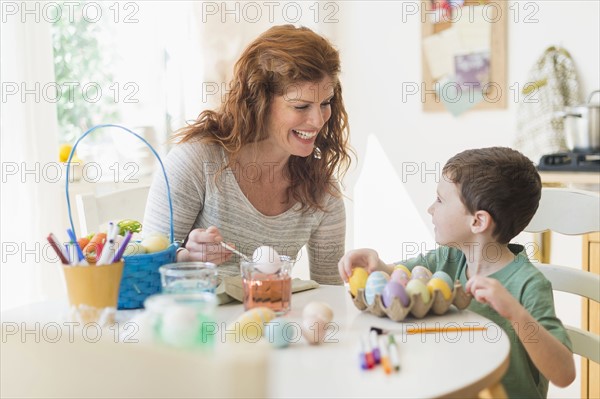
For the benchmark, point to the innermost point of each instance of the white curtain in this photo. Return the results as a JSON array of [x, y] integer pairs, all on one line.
[[32, 196]]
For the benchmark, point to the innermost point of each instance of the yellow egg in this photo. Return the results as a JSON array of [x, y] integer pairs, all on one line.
[[417, 287], [437, 284], [358, 280], [134, 248], [63, 152], [403, 268], [155, 243], [250, 325]]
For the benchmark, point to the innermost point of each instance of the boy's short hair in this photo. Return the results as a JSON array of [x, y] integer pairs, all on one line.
[[498, 180]]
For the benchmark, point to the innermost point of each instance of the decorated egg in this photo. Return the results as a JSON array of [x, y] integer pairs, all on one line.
[[318, 310], [437, 284], [446, 277], [375, 284], [280, 332], [358, 280], [417, 287], [394, 289], [400, 276], [421, 273], [315, 321], [249, 326], [403, 268], [266, 260]]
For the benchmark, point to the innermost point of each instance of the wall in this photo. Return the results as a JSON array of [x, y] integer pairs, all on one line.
[[381, 50]]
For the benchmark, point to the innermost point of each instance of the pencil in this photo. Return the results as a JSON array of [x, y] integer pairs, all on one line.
[[425, 330]]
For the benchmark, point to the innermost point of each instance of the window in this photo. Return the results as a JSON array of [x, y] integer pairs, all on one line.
[[123, 63]]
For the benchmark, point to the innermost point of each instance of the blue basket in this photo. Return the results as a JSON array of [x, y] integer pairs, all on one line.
[[140, 273]]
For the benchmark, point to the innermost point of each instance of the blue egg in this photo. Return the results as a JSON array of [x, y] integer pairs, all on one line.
[[280, 332], [446, 277], [375, 284]]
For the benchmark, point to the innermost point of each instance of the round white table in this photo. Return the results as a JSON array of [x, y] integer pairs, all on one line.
[[440, 364]]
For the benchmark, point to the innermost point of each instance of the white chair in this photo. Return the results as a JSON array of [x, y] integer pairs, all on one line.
[[94, 210], [571, 212]]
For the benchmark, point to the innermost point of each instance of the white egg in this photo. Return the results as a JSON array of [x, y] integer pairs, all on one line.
[[266, 260], [315, 320], [314, 330], [318, 310], [179, 326]]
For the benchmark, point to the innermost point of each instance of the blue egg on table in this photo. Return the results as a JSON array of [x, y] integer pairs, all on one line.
[[394, 289], [280, 332], [444, 276], [375, 284]]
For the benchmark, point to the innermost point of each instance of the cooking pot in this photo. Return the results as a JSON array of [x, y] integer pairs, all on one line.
[[582, 126]]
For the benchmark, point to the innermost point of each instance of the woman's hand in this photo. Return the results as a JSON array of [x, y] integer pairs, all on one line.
[[366, 258], [204, 245]]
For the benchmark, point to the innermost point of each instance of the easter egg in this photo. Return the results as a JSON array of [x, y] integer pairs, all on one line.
[[318, 310], [394, 289], [437, 284], [417, 287], [375, 284], [315, 330], [403, 268], [421, 273], [267, 260], [358, 280], [155, 242], [400, 276], [280, 332], [249, 326], [446, 277], [134, 248], [315, 320], [180, 326]]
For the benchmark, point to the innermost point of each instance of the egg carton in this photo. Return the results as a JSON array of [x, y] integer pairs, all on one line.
[[437, 304]]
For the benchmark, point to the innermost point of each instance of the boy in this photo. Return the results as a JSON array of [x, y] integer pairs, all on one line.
[[484, 199]]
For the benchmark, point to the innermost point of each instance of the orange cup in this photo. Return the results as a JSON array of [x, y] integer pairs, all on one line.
[[93, 291]]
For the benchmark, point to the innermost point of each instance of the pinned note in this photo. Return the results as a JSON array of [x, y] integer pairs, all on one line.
[[472, 69], [474, 29], [457, 98], [440, 50]]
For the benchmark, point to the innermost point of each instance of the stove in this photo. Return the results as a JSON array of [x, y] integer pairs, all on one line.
[[571, 161]]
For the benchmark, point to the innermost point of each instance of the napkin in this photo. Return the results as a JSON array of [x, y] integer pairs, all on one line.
[[231, 288]]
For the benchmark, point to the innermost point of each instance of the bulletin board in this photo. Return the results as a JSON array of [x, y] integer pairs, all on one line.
[[464, 46]]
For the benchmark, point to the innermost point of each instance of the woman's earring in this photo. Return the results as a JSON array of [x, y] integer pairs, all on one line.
[[317, 153]]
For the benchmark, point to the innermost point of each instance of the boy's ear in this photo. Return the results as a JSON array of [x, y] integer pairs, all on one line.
[[482, 221]]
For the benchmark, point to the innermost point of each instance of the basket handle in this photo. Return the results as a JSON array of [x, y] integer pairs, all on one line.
[[151, 149]]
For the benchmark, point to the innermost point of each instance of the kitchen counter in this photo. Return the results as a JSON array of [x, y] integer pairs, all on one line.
[[589, 181]]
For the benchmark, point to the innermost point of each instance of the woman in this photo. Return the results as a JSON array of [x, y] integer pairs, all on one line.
[[261, 169]]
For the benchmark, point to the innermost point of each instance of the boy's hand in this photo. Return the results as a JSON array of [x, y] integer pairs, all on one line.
[[490, 291], [366, 258]]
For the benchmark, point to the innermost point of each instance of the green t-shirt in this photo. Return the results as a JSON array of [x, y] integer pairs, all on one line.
[[529, 286]]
